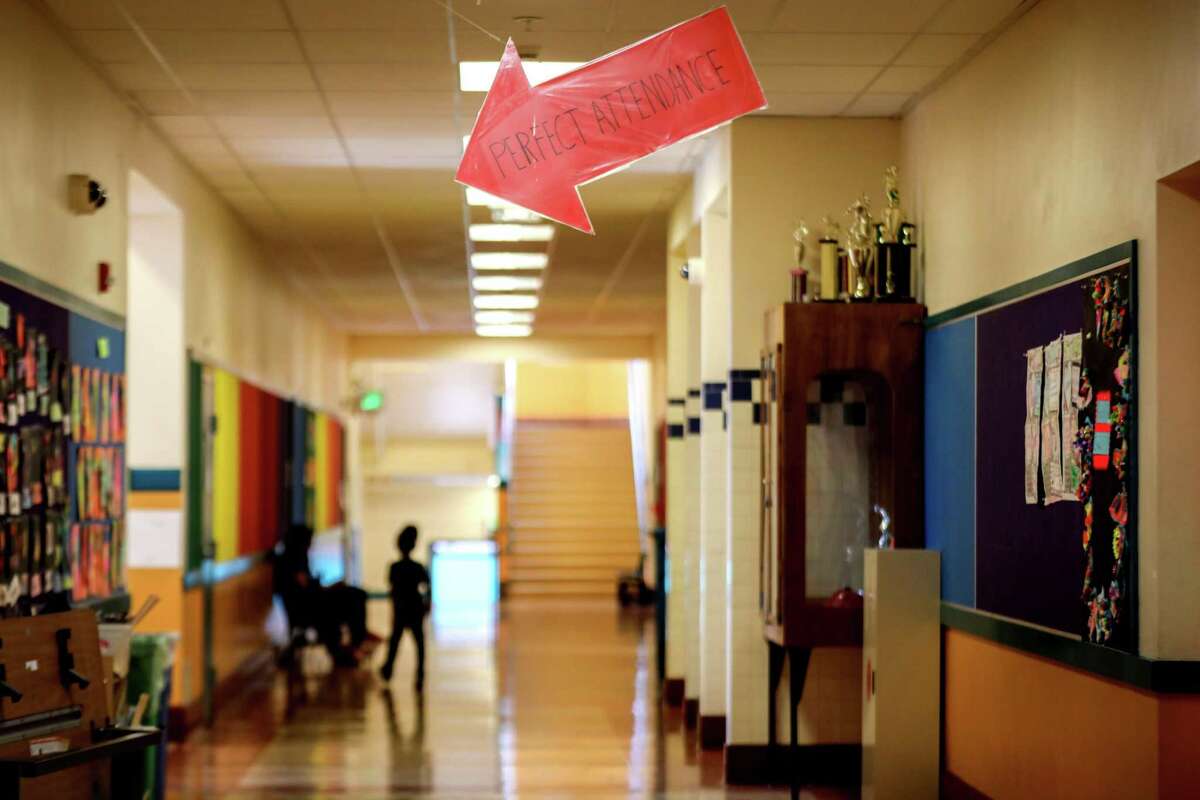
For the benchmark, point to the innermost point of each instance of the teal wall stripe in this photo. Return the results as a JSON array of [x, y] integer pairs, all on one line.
[[155, 480], [1105, 258], [47, 291]]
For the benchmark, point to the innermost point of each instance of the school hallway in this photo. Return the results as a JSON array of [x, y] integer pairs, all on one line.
[[558, 699]]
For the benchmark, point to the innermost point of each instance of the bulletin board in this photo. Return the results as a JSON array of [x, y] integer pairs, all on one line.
[[1068, 564], [62, 449], [273, 463]]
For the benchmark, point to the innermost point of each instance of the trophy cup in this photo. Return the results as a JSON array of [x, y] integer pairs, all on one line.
[[860, 248], [893, 279], [829, 258], [799, 274]]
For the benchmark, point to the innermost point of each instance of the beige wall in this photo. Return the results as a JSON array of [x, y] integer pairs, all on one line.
[[576, 390], [1046, 148]]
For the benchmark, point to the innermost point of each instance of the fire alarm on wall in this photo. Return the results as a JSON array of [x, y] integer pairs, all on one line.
[[106, 280]]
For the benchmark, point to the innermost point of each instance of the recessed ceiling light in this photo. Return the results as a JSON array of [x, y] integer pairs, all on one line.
[[518, 302], [503, 317], [503, 330], [490, 232], [477, 76], [506, 283], [509, 260], [502, 210]]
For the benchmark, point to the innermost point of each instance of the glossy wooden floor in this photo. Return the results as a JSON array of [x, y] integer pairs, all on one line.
[[555, 699]]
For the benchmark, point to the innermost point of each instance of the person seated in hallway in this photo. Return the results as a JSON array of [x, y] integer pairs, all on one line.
[[411, 592], [330, 610]]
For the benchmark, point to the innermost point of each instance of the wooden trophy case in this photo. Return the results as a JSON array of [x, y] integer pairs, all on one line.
[[878, 348]]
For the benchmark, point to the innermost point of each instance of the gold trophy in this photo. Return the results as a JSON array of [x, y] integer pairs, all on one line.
[[860, 248], [799, 273], [828, 246]]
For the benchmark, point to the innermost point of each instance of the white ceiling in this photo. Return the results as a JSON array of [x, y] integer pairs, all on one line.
[[334, 126]]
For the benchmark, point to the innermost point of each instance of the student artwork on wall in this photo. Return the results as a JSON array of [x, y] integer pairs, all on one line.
[[1030, 459], [273, 463], [62, 434]]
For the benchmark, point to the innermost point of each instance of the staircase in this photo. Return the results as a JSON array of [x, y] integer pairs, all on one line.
[[572, 508]]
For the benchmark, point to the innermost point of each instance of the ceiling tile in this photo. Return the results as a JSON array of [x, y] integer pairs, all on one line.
[[639, 15], [284, 127], [200, 146], [856, 16], [245, 77], [905, 79], [303, 104], [838, 49], [323, 151], [793, 78], [208, 15], [878, 105], [754, 15], [167, 103], [229, 179], [390, 77], [552, 16], [364, 47], [936, 50], [807, 105], [228, 47], [413, 151], [409, 15], [183, 125], [106, 47], [369, 127], [140, 76], [392, 104], [972, 16]]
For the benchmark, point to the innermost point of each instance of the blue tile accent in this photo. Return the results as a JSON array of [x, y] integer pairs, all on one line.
[[854, 414], [675, 430], [745, 374], [712, 396], [693, 425], [814, 413], [693, 392], [740, 390], [950, 455], [154, 480], [831, 389], [676, 401], [760, 413]]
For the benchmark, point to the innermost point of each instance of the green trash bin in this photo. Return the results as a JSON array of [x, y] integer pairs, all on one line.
[[150, 660]]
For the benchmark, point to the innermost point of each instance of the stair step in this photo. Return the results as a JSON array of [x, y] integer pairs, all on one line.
[[565, 574], [575, 589], [609, 561]]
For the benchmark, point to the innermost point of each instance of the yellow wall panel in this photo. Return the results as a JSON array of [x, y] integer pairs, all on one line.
[[575, 390], [225, 465], [321, 456]]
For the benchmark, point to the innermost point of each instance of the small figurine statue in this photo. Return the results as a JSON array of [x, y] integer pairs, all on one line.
[[799, 235], [860, 247], [886, 540]]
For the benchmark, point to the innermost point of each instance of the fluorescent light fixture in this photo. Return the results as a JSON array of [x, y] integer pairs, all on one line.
[[509, 260], [503, 330], [490, 232], [514, 214], [506, 283], [477, 76], [503, 317], [515, 302]]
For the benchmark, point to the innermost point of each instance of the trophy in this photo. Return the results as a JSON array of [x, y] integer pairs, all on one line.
[[894, 243], [799, 274], [829, 258], [860, 248]]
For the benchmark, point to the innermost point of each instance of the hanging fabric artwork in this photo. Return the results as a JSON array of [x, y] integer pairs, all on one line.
[[1069, 403], [1052, 473], [1033, 422], [1102, 446]]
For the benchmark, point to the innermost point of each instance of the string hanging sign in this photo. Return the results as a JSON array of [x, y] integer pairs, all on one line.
[[534, 145]]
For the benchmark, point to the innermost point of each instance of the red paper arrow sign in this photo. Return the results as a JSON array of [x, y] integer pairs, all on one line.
[[534, 145]]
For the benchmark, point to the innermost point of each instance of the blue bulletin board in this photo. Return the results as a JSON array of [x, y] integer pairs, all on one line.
[[1064, 563]]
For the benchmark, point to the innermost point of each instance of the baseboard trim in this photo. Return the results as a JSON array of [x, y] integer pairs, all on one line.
[[815, 764], [691, 712], [712, 731], [182, 720], [955, 788], [673, 691]]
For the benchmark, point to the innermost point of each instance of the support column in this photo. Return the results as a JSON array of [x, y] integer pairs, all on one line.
[[714, 520], [676, 415], [691, 471]]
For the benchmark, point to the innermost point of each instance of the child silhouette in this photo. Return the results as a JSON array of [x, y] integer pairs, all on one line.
[[411, 592]]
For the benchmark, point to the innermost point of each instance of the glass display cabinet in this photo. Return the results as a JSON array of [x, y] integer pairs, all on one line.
[[841, 442]]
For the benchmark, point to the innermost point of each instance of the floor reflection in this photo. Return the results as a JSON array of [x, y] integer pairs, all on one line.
[[547, 698]]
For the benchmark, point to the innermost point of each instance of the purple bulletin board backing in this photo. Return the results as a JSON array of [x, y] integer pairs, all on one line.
[[1029, 562]]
